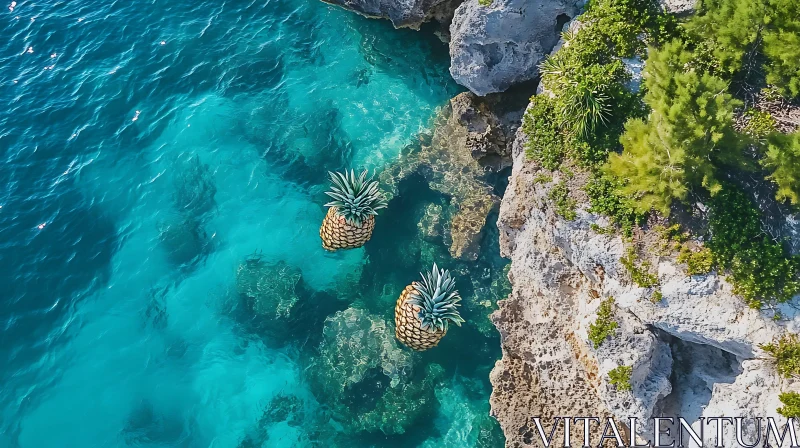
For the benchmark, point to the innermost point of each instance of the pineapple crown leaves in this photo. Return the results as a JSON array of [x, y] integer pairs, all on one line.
[[437, 299], [355, 198]]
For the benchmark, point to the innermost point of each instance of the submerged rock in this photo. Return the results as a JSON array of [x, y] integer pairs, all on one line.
[[269, 291], [431, 226], [194, 188], [354, 342], [184, 240], [468, 142], [402, 13], [369, 380], [496, 46]]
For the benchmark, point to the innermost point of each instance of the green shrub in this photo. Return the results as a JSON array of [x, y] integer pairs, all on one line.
[[782, 46], [583, 100], [542, 178], [484, 2], [621, 22], [610, 230], [786, 352], [729, 29], [590, 103], [545, 143], [688, 135], [657, 296], [621, 378], [605, 199], [565, 206], [791, 404], [604, 326], [640, 273], [760, 268], [783, 160], [697, 262], [735, 32]]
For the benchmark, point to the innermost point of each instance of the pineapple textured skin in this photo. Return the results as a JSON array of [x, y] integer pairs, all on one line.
[[408, 325], [337, 233]]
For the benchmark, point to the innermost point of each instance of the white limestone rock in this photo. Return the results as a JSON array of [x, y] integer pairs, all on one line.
[[496, 46]]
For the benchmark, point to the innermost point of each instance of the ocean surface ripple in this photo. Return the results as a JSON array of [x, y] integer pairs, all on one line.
[[148, 149]]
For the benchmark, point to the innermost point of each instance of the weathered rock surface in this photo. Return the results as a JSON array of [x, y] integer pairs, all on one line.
[[469, 139], [496, 46], [678, 7], [560, 271], [402, 13]]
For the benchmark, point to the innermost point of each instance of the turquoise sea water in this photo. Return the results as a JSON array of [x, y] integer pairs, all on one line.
[[163, 284]]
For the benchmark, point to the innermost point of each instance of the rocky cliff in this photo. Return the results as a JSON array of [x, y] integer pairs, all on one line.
[[693, 353]]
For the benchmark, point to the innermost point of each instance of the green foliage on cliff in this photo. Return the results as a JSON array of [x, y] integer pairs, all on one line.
[[604, 326], [589, 105], [688, 135], [760, 268], [782, 159], [565, 206], [620, 377], [736, 34], [639, 271], [782, 46], [786, 353], [697, 262], [605, 198], [545, 141], [791, 404], [645, 152]]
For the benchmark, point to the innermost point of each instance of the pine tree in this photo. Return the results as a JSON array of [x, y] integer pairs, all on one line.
[[783, 160], [730, 29], [782, 46], [687, 136], [734, 32]]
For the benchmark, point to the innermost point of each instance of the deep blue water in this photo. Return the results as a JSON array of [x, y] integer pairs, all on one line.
[[148, 149]]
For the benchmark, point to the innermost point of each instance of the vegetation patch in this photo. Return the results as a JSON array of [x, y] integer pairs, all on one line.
[[698, 262], [565, 206], [786, 353], [791, 404], [620, 378], [605, 199], [542, 178], [760, 268], [759, 124], [605, 326], [684, 134], [782, 159], [640, 272], [657, 296]]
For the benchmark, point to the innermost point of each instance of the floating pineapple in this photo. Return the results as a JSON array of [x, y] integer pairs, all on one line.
[[351, 216], [424, 310]]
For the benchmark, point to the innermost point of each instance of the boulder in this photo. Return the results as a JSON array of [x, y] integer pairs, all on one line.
[[496, 46]]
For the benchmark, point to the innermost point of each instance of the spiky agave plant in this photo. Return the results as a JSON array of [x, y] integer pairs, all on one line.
[[425, 309], [351, 214]]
